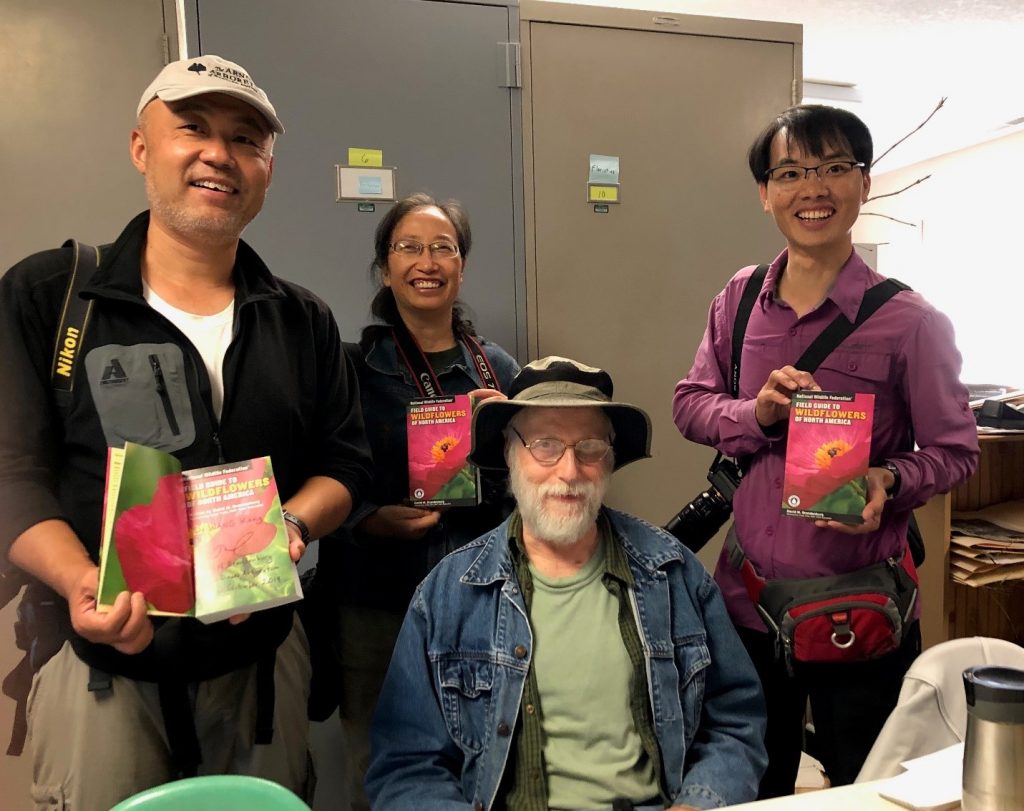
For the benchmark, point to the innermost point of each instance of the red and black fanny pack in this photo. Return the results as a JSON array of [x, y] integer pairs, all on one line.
[[851, 617]]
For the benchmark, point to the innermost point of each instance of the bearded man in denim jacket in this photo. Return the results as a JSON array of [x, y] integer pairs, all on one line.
[[575, 657]]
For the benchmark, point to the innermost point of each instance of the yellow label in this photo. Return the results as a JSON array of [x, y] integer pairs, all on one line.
[[365, 157], [608, 194]]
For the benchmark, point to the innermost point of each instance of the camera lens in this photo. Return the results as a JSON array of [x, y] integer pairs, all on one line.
[[698, 521]]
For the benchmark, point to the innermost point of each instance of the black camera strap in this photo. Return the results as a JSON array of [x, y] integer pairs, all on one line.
[[751, 290], [423, 374]]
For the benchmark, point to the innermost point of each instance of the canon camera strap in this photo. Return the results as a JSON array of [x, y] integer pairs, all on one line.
[[423, 373]]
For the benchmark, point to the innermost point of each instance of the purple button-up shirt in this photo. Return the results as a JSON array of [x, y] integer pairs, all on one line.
[[904, 354]]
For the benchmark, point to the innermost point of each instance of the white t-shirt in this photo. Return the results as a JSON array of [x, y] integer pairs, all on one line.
[[210, 334]]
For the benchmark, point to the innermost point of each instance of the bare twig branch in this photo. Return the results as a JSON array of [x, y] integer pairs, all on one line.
[[886, 216], [904, 138], [899, 191]]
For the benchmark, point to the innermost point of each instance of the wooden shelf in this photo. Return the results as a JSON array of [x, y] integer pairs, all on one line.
[[952, 610]]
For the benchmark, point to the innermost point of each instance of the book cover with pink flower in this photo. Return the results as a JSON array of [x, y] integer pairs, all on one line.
[[828, 452], [438, 430], [206, 543]]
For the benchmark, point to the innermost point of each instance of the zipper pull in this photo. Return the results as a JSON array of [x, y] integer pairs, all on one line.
[[220, 449], [158, 374]]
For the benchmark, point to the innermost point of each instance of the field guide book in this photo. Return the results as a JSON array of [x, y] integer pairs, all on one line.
[[206, 543], [438, 430], [828, 451]]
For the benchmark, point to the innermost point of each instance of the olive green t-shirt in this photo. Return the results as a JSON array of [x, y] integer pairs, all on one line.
[[593, 752]]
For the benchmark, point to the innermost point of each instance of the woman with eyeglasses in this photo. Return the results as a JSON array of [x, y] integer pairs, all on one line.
[[420, 345]]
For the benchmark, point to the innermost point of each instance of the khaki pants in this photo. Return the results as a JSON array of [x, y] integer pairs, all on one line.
[[367, 641], [90, 750]]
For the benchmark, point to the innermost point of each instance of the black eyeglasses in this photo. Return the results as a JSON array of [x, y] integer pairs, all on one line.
[[549, 450], [829, 170]]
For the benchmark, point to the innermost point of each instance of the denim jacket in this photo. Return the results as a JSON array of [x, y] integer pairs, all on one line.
[[383, 573], [441, 736]]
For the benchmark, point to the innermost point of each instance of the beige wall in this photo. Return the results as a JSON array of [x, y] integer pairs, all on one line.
[[72, 75], [963, 251]]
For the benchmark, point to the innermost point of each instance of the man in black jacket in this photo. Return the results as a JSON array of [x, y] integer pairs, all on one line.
[[193, 347]]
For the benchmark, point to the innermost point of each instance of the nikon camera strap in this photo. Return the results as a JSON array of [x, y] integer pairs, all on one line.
[[74, 317]]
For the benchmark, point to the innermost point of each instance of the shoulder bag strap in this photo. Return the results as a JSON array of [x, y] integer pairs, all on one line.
[[830, 338], [739, 328], [841, 327]]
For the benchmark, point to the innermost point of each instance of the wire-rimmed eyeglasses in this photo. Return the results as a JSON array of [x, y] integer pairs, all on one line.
[[413, 247], [548, 450], [829, 170]]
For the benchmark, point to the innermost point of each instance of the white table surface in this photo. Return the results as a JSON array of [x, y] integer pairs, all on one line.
[[858, 797]]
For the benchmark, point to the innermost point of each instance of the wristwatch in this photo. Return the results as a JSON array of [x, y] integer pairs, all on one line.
[[298, 523], [891, 492]]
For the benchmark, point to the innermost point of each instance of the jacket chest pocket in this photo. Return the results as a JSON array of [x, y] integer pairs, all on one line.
[[141, 395], [466, 690]]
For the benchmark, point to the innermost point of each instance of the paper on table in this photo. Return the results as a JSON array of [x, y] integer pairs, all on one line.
[[930, 783]]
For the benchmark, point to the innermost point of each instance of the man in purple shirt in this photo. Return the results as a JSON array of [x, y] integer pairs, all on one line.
[[812, 164]]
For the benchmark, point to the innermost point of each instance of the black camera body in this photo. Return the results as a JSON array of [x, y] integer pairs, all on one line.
[[698, 521]]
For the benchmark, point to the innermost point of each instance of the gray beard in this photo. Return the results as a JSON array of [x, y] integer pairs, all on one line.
[[557, 529]]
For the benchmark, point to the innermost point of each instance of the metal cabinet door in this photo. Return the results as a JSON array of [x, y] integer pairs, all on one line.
[[419, 80], [628, 290]]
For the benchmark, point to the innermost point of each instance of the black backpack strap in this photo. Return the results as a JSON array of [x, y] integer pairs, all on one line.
[[739, 328], [180, 728], [74, 317], [841, 327]]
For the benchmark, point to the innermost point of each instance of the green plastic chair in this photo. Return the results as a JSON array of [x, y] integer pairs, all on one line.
[[215, 792]]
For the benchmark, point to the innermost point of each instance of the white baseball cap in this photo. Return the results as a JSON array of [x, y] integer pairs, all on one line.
[[209, 74]]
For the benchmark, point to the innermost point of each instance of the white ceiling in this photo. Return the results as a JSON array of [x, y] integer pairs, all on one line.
[[903, 56]]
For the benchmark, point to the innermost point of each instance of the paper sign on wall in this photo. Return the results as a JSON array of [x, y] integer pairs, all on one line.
[[358, 156], [359, 183], [604, 169]]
